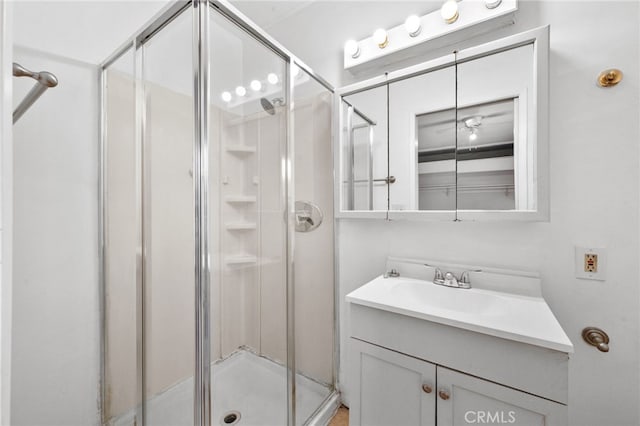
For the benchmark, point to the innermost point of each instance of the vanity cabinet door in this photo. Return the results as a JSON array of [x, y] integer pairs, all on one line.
[[464, 400], [390, 388]]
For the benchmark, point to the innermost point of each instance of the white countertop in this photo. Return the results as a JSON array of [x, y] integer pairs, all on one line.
[[524, 319]]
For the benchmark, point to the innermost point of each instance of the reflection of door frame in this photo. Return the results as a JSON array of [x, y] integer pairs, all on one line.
[[6, 196], [368, 124]]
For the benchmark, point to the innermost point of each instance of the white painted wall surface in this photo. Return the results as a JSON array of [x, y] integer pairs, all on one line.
[[6, 228], [56, 322], [594, 186], [55, 317]]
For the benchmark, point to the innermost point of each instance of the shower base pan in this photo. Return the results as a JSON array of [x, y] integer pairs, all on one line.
[[248, 390]]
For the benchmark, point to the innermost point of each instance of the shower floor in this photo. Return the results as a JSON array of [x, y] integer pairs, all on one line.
[[244, 382]]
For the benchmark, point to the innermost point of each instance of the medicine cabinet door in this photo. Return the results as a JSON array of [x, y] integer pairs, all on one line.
[[422, 144]]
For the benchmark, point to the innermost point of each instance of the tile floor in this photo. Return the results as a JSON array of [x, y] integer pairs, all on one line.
[[341, 418]]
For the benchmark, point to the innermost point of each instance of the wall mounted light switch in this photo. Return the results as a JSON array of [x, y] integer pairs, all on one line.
[[591, 263]]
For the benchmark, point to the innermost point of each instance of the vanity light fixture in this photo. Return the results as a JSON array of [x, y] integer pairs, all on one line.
[[352, 48], [412, 25], [272, 78], [226, 96], [449, 11], [381, 38], [241, 91], [432, 30], [256, 86]]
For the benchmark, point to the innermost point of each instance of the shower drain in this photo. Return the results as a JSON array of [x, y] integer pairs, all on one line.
[[231, 418]]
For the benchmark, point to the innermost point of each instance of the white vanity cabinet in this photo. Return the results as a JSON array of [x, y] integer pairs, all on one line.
[[397, 389], [464, 399], [426, 354], [394, 389]]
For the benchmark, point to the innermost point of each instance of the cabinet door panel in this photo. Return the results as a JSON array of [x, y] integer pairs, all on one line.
[[388, 388], [470, 400]]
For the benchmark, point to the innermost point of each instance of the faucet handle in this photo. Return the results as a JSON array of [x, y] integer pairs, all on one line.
[[464, 278], [438, 275]]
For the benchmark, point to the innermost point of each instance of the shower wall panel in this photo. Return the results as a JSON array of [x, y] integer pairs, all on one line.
[[314, 253]]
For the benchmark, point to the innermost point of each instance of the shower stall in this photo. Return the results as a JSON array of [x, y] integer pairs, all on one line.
[[217, 227]]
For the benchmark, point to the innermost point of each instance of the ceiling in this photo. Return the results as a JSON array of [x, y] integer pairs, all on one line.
[[267, 13], [315, 31]]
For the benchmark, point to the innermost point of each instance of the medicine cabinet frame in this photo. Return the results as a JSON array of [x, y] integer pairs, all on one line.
[[537, 124]]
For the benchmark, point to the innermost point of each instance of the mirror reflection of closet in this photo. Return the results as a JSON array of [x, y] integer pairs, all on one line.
[[422, 141], [496, 126], [485, 156], [364, 150]]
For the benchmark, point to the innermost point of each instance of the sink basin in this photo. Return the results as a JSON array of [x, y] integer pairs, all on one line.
[[424, 295], [525, 319]]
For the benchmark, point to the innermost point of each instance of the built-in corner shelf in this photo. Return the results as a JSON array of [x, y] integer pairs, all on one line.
[[239, 199], [240, 149], [241, 260], [240, 226]]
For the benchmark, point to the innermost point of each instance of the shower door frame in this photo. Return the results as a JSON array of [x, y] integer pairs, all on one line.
[[202, 80]]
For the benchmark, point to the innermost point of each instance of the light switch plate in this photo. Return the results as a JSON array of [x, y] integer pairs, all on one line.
[[591, 263]]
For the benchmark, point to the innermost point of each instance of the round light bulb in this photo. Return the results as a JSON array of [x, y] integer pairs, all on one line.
[[412, 25], [226, 96], [272, 78], [241, 91], [492, 4], [256, 86], [449, 11], [352, 48], [380, 38], [473, 136]]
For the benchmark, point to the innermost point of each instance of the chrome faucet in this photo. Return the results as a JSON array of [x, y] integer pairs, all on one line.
[[391, 274], [448, 279]]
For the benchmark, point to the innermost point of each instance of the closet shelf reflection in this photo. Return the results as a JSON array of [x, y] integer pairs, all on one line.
[[468, 188]]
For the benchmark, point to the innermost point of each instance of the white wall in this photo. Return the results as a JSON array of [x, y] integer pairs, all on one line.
[[55, 310], [56, 368], [594, 190], [6, 183]]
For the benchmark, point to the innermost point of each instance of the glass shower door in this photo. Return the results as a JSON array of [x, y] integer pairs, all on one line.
[[313, 257], [169, 220], [248, 232], [121, 392]]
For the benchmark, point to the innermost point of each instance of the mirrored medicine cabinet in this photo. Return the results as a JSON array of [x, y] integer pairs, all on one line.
[[462, 137]]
